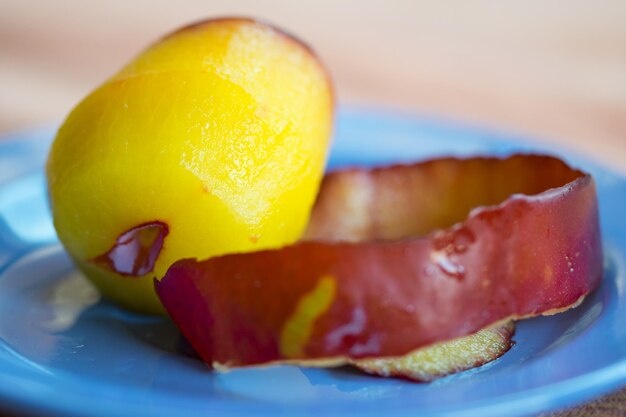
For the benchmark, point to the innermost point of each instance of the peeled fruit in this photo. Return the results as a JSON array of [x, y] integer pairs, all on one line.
[[445, 358], [211, 141], [397, 259]]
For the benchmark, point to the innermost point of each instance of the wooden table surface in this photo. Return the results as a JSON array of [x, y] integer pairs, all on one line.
[[553, 70]]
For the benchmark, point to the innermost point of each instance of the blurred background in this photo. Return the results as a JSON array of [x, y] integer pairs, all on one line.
[[554, 70]]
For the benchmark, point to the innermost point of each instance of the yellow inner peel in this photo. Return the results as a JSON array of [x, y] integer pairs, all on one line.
[[297, 329]]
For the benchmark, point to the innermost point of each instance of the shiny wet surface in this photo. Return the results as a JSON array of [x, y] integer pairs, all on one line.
[[64, 350]]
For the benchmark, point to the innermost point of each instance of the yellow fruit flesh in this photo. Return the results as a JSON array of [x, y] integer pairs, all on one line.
[[281, 74], [230, 161]]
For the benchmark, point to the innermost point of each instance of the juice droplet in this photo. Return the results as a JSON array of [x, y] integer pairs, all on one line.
[[448, 245], [455, 240], [448, 266], [569, 263]]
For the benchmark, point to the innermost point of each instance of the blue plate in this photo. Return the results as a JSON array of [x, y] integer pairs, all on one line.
[[63, 351]]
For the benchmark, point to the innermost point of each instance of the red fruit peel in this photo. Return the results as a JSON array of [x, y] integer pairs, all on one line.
[[396, 259]]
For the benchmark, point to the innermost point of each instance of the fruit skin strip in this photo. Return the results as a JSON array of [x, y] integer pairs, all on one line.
[[393, 262]]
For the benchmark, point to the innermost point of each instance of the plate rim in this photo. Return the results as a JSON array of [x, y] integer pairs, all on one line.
[[583, 386]]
